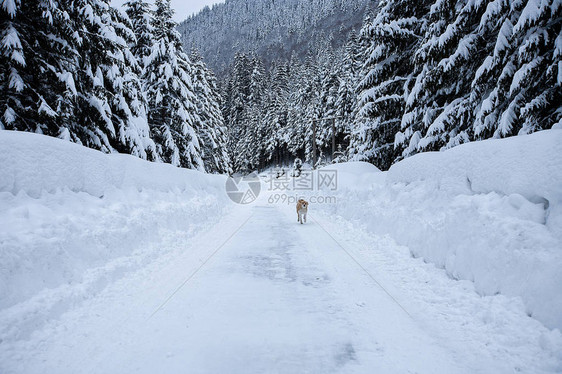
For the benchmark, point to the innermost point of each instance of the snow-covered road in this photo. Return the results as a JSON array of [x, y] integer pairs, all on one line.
[[283, 298], [259, 293]]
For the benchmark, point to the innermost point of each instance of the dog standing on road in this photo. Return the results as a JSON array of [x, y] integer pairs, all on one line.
[[302, 209]]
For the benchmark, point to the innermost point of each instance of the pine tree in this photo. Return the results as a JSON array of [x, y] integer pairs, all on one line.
[[38, 51], [237, 112], [141, 20], [168, 80], [520, 78], [276, 114], [348, 77], [240, 89], [107, 86], [307, 99], [129, 103], [324, 103], [71, 75], [211, 129], [388, 70], [254, 142], [439, 113], [536, 85], [298, 115]]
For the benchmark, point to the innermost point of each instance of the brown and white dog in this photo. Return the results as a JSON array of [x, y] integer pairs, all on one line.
[[302, 209]]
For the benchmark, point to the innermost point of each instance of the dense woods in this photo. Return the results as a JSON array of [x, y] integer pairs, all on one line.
[[250, 83], [114, 81], [416, 75]]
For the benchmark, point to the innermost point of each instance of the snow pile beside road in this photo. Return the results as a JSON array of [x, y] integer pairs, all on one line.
[[354, 175], [530, 166], [34, 163], [73, 219], [489, 211]]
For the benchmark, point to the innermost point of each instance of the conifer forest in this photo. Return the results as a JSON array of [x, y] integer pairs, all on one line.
[[249, 84]]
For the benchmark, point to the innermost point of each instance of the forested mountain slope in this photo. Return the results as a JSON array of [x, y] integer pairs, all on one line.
[[273, 29]]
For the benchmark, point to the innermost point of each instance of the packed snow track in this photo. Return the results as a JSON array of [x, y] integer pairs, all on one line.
[[258, 293]]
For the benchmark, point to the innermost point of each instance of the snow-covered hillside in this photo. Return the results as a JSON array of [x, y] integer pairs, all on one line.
[[113, 264]]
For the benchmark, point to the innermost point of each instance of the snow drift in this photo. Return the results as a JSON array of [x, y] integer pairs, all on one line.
[[73, 219], [34, 163], [486, 211], [529, 166]]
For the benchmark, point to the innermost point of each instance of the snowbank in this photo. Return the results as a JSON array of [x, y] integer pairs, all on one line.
[[489, 212], [73, 219], [530, 166], [355, 175], [33, 163]]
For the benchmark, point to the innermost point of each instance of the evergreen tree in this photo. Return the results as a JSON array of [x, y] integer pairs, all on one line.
[[37, 63], [276, 114], [348, 77], [129, 99], [254, 147], [237, 112], [168, 79], [387, 75], [439, 113], [141, 20], [298, 115], [68, 73], [240, 89], [211, 129], [328, 101], [472, 68], [520, 79], [108, 114]]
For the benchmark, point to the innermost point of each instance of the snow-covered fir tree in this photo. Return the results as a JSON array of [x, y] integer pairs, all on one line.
[[387, 74], [439, 112], [348, 80], [37, 64], [109, 115], [211, 129], [276, 114], [473, 70], [521, 75], [80, 72], [141, 19], [169, 85], [236, 110], [68, 73]]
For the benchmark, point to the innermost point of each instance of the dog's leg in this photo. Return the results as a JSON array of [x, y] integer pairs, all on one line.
[[304, 216]]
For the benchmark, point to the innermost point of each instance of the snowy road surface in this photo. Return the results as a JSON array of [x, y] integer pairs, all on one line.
[[259, 293]]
